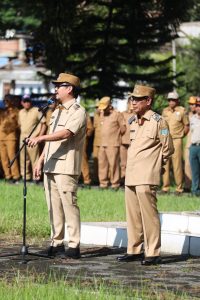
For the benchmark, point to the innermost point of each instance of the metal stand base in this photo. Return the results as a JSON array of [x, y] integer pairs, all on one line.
[[23, 253]]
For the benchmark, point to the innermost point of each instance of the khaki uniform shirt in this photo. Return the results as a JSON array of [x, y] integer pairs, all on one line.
[[188, 138], [64, 157], [97, 130], [195, 129], [151, 146], [28, 119], [9, 124], [176, 120], [112, 127], [89, 126], [126, 136]]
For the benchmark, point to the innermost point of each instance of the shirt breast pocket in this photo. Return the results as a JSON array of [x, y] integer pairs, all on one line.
[[148, 133]]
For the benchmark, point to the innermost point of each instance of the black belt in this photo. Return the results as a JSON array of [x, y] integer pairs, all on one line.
[[195, 144]]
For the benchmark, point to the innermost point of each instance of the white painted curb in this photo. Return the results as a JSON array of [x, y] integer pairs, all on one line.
[[180, 233]]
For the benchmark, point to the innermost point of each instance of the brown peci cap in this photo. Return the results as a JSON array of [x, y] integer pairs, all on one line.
[[67, 78], [192, 100], [104, 103], [143, 91]]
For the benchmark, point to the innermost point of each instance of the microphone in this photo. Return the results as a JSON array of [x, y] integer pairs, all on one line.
[[49, 102]]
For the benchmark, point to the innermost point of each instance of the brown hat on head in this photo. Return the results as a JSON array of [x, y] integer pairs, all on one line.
[[143, 91], [104, 103], [192, 100], [67, 78]]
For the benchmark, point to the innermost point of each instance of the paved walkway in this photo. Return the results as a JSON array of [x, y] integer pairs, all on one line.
[[177, 273]]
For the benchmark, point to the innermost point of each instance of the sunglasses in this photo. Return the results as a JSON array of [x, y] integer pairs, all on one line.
[[137, 99], [62, 84]]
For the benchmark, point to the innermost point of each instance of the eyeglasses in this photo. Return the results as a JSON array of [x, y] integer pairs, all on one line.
[[137, 99], [62, 84]]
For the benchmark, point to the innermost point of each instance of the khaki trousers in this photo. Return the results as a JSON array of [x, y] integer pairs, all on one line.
[[85, 165], [108, 158], [61, 197], [31, 159], [143, 223], [187, 170], [123, 159], [7, 153], [176, 160]]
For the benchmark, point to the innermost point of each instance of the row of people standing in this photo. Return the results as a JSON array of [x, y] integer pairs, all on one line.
[[110, 145], [15, 126], [112, 139]]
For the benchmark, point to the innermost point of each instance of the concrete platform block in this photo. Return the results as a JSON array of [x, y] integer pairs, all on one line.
[[194, 225], [194, 246], [174, 222], [94, 235], [117, 237], [174, 243]]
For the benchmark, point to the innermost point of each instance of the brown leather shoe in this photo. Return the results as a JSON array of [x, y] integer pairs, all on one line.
[[130, 257], [151, 260]]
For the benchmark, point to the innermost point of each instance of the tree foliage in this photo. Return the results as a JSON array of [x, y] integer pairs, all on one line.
[[105, 42]]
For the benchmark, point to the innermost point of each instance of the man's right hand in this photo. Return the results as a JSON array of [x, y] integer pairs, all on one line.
[[37, 172]]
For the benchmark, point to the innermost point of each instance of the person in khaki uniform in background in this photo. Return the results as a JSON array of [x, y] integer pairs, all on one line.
[[9, 135], [49, 112], [178, 121], [125, 141], [112, 126], [62, 157], [187, 168], [85, 165], [96, 144], [151, 145], [28, 118]]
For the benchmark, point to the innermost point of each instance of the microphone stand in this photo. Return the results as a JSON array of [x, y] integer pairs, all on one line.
[[24, 249]]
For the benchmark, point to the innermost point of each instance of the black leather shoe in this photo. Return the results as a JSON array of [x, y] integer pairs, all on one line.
[[73, 253], [130, 257], [56, 251], [151, 260]]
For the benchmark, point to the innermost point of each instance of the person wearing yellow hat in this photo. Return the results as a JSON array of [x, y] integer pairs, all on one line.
[[178, 121], [150, 148], [187, 168], [112, 126], [61, 161]]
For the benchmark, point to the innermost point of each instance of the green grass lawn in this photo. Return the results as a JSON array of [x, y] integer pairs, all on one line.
[[95, 205]]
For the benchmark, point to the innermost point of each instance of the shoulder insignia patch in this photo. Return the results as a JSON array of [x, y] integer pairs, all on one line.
[[76, 106], [130, 121], [156, 117], [164, 131]]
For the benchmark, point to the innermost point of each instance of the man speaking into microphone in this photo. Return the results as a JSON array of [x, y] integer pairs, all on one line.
[[61, 162]]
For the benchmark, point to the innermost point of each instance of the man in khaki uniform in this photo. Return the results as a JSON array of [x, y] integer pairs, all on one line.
[[187, 169], [9, 135], [62, 158], [85, 165], [28, 118], [96, 145], [178, 121], [125, 141], [151, 145], [112, 126]]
